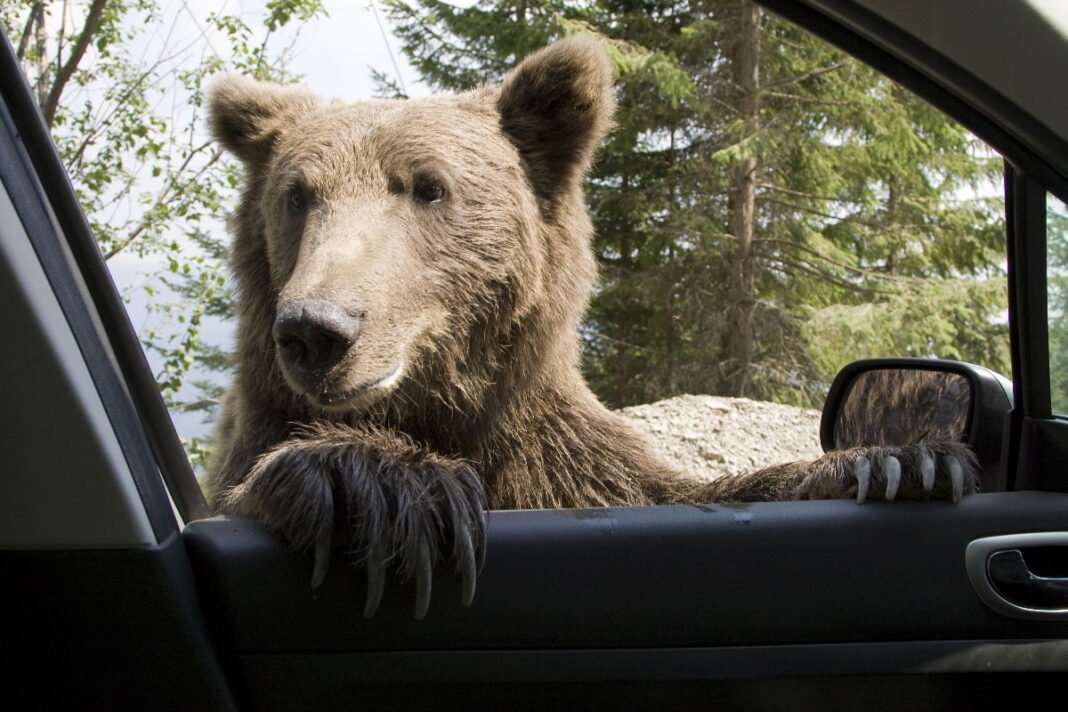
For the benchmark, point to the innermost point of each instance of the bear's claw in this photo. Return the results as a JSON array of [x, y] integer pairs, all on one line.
[[398, 507], [944, 471], [892, 469], [322, 560], [927, 470], [468, 569], [376, 582], [956, 475], [424, 578], [862, 472]]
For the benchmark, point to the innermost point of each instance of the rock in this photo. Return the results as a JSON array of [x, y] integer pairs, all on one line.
[[711, 436]]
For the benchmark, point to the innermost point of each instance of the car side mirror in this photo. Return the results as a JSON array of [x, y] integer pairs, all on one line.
[[900, 401]]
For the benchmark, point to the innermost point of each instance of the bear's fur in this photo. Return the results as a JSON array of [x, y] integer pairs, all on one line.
[[445, 245]]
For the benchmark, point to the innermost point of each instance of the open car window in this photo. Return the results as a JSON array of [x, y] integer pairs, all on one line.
[[754, 234]]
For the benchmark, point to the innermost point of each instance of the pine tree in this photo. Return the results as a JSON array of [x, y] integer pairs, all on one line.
[[767, 209]]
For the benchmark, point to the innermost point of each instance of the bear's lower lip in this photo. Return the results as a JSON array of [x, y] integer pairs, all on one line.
[[380, 383]]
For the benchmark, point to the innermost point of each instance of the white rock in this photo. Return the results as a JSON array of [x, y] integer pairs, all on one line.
[[712, 436]]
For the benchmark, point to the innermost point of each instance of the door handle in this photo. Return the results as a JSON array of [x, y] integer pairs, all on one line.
[[1001, 577], [1011, 577]]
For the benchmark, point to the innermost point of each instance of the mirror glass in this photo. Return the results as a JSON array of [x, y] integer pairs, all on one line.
[[901, 406]]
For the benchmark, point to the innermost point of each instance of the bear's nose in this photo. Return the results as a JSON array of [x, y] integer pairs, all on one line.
[[314, 334]]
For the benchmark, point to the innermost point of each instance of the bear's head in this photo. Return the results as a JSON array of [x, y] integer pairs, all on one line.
[[378, 241]]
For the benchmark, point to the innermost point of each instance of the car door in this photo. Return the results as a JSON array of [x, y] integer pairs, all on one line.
[[808, 604]]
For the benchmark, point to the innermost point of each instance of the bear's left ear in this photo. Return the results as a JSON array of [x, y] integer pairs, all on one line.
[[556, 106], [246, 116]]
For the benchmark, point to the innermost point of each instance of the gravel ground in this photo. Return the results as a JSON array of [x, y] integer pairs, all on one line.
[[712, 436]]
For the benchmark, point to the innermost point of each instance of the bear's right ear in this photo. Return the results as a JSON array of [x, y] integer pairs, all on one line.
[[555, 107], [246, 116]]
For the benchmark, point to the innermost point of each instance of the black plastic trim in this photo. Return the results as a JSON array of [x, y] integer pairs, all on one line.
[[1014, 244], [1043, 451], [109, 629], [818, 677], [1028, 317], [729, 662], [149, 423], [1037, 439]]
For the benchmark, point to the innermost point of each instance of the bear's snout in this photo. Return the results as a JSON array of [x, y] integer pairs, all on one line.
[[313, 335]]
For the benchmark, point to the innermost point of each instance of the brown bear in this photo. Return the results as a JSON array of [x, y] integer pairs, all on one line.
[[410, 280]]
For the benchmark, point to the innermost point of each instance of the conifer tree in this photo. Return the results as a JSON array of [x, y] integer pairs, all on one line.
[[767, 209]]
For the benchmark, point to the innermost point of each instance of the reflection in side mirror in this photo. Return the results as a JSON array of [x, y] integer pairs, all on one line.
[[891, 406], [908, 401]]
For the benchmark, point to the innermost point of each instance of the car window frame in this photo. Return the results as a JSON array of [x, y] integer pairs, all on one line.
[[76, 269]]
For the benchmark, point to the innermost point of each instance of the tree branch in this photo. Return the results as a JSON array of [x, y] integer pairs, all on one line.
[[804, 77], [802, 194], [811, 99], [89, 28], [146, 222], [812, 211], [62, 36], [40, 40], [860, 271], [816, 271], [27, 30]]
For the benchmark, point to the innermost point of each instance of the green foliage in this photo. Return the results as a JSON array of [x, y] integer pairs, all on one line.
[[129, 126], [874, 232]]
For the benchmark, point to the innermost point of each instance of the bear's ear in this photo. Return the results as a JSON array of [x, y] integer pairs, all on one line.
[[245, 115], [556, 106]]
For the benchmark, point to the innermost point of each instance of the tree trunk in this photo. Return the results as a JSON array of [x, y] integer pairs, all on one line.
[[64, 71], [672, 336], [741, 292]]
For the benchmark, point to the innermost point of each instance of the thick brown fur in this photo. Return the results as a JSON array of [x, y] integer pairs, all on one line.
[[901, 406], [463, 388]]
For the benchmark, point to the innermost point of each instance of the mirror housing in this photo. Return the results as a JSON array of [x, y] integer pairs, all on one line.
[[897, 401]]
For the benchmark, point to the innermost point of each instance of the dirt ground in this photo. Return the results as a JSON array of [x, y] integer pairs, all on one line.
[[712, 436]]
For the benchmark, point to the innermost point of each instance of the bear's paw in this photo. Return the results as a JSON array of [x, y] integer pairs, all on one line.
[[395, 505], [940, 471]]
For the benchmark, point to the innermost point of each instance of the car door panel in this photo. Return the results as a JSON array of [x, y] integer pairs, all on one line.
[[114, 628], [578, 606], [762, 574]]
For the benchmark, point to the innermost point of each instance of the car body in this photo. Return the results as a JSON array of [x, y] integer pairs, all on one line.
[[122, 593]]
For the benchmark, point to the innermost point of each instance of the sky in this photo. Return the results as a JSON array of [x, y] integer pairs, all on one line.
[[335, 53]]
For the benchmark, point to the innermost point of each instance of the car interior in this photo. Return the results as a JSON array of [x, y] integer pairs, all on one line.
[[124, 592]]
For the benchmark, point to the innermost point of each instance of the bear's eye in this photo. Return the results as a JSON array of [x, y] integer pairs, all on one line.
[[296, 200], [428, 189]]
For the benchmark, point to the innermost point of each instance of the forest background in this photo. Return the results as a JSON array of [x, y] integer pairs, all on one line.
[[767, 209]]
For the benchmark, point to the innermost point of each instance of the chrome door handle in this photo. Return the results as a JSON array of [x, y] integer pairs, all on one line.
[[1001, 577]]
